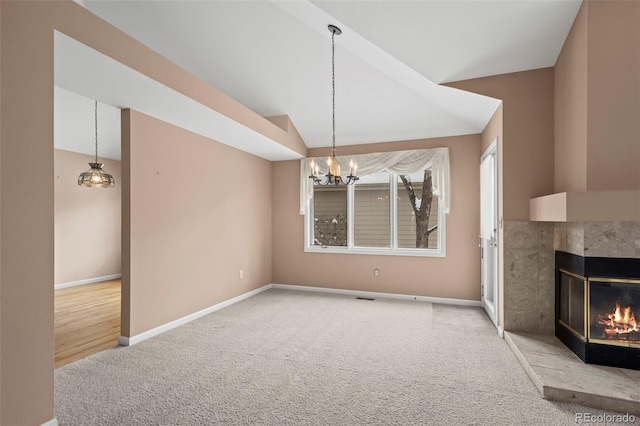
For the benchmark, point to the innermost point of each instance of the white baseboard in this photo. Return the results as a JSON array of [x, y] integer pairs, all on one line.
[[87, 281], [128, 341], [373, 295], [52, 422]]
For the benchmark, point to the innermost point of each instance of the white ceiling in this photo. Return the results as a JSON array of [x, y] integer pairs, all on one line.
[[275, 58]]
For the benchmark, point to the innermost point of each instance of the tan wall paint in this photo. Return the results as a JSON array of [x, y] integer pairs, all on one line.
[[27, 209], [26, 247], [456, 276], [613, 117], [200, 212], [87, 221], [598, 100], [570, 109], [492, 131], [528, 134]]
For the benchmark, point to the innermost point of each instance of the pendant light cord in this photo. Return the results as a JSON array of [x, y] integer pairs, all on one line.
[[96, 115]]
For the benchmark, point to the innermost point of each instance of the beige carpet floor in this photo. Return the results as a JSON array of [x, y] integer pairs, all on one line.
[[299, 358]]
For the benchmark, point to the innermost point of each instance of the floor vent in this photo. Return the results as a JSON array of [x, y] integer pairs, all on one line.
[[364, 298]]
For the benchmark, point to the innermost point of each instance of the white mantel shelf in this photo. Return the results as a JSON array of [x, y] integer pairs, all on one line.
[[590, 206]]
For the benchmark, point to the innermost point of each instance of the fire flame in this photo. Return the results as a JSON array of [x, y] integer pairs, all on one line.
[[621, 321]]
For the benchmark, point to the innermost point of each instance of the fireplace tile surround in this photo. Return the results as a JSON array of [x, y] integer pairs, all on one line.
[[529, 252]]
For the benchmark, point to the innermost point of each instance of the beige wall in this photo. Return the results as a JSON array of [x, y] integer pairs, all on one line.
[[598, 100], [27, 224], [613, 80], [199, 212], [527, 134], [456, 276], [27, 208], [570, 109], [87, 221]]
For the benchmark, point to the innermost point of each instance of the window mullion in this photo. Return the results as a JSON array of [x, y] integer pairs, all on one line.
[[393, 206], [350, 215]]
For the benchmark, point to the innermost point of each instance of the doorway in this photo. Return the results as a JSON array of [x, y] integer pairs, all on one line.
[[87, 228], [489, 230]]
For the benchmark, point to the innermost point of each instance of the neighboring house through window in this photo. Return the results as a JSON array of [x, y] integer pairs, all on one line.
[[385, 212]]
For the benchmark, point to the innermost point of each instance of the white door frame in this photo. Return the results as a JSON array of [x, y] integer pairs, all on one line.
[[489, 232]]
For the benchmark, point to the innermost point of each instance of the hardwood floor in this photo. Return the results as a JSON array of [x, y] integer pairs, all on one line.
[[87, 320]]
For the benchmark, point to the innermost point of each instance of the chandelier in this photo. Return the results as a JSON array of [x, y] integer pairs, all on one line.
[[96, 177], [333, 176]]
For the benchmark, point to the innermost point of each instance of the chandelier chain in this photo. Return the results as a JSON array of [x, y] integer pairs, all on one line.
[[96, 121], [333, 86]]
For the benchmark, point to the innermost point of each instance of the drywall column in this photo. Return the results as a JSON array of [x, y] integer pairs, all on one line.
[[197, 212], [26, 212]]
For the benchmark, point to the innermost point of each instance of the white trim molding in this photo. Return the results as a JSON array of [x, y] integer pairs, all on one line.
[[129, 341], [87, 281], [374, 294], [52, 422], [501, 332]]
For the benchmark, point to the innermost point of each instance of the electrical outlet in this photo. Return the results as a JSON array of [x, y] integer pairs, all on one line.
[[376, 272], [241, 274]]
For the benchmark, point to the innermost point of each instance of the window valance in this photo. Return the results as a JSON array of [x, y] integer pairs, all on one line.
[[400, 162]]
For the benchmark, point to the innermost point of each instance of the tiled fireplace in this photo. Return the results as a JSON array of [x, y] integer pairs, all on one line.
[[529, 264], [597, 303]]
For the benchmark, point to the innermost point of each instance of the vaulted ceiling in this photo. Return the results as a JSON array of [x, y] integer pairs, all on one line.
[[275, 57]]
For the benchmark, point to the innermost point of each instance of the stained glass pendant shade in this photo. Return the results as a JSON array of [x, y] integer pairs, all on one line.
[[96, 177]]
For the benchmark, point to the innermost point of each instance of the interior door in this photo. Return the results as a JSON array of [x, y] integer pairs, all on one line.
[[489, 230]]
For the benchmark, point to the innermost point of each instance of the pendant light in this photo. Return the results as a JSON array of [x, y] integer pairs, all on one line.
[[96, 177], [333, 176]]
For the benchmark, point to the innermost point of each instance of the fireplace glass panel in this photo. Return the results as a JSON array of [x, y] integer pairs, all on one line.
[[614, 310], [572, 305]]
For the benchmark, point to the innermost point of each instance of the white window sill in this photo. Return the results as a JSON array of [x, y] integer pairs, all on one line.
[[377, 251]]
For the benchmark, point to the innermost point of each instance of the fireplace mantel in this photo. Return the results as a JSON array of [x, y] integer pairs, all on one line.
[[589, 206]]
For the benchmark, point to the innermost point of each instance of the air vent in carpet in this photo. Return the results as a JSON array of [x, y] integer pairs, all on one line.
[[364, 298]]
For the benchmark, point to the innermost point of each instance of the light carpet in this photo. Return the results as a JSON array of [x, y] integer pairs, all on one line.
[[288, 357]]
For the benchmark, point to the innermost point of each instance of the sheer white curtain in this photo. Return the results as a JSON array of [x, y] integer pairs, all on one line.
[[400, 162]]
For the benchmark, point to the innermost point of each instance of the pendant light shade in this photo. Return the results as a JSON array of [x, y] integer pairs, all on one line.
[[96, 177]]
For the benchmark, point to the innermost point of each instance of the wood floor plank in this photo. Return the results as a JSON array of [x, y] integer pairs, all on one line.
[[87, 320]]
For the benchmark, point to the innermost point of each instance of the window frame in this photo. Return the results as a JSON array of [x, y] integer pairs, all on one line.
[[393, 250]]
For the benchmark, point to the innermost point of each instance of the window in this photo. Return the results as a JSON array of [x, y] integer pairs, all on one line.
[[383, 213], [330, 216]]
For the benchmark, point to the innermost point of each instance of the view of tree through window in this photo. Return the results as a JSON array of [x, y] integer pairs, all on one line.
[[415, 204], [378, 220]]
